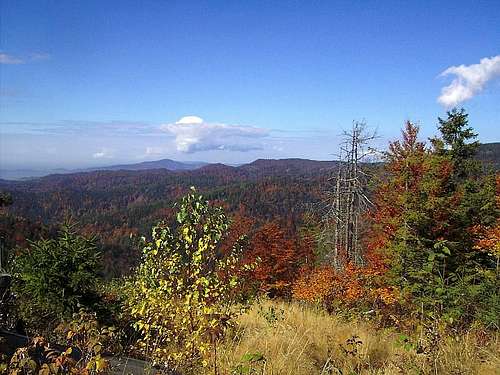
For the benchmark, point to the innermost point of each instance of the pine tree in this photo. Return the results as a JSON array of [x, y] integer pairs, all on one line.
[[458, 142], [424, 210]]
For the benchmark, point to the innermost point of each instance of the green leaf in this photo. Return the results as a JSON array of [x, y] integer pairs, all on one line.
[[445, 250], [252, 357]]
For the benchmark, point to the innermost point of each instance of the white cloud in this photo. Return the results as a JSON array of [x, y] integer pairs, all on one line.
[[105, 153], [192, 134], [190, 120], [153, 151], [469, 80], [10, 60], [13, 60]]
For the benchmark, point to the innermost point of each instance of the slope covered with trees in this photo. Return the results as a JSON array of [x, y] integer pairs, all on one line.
[[115, 204], [426, 266]]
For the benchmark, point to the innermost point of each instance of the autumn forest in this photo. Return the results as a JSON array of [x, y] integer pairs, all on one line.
[[211, 270]]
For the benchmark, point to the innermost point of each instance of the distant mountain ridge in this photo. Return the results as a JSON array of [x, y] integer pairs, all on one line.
[[169, 164], [489, 153]]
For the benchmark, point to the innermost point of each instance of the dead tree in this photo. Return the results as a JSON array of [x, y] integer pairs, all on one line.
[[347, 201]]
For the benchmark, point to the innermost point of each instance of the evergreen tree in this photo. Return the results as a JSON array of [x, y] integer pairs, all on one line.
[[55, 278], [425, 209], [458, 142]]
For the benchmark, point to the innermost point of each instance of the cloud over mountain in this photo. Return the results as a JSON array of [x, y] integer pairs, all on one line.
[[104, 153], [469, 80], [193, 134]]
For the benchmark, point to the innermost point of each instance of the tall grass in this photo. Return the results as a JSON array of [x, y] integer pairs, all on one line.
[[289, 338]]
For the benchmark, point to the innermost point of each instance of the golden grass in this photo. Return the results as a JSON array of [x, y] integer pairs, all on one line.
[[303, 340]]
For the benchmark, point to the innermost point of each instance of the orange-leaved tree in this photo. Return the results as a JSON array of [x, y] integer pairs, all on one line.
[[279, 259]]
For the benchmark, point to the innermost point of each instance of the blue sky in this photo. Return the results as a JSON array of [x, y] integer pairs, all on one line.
[[103, 82]]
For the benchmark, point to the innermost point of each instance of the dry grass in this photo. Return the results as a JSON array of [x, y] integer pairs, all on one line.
[[301, 340]]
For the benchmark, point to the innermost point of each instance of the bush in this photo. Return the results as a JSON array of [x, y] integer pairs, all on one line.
[[86, 343], [184, 292], [351, 289]]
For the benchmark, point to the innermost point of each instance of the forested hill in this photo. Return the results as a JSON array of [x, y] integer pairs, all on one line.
[[114, 204], [489, 153], [265, 187]]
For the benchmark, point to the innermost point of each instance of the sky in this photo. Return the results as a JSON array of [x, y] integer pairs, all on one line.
[[94, 83]]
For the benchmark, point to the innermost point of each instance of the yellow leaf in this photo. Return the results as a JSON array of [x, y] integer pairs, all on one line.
[[101, 364]]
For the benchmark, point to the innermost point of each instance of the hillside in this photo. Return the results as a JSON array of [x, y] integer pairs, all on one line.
[[489, 153], [113, 204], [107, 191]]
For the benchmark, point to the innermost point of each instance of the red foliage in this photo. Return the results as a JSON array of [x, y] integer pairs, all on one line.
[[413, 176], [279, 259], [416, 177], [241, 226]]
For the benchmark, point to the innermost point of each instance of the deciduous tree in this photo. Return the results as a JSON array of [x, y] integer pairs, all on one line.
[[185, 292]]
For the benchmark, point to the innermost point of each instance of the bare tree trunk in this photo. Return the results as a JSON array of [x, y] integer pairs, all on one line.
[[348, 201]]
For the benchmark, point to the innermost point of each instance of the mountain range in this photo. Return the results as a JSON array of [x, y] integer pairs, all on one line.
[[119, 200], [488, 153], [171, 165]]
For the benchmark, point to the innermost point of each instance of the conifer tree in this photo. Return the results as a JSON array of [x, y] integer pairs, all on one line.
[[425, 208], [458, 142]]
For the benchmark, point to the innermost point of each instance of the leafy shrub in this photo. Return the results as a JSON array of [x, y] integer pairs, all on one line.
[[92, 340], [315, 285], [351, 288], [39, 358], [183, 295], [85, 343]]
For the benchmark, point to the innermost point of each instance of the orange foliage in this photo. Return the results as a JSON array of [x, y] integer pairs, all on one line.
[[349, 287], [279, 259], [241, 225], [488, 238], [314, 285], [387, 295]]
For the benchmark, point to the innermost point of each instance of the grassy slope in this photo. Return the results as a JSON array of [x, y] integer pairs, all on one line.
[[303, 340]]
